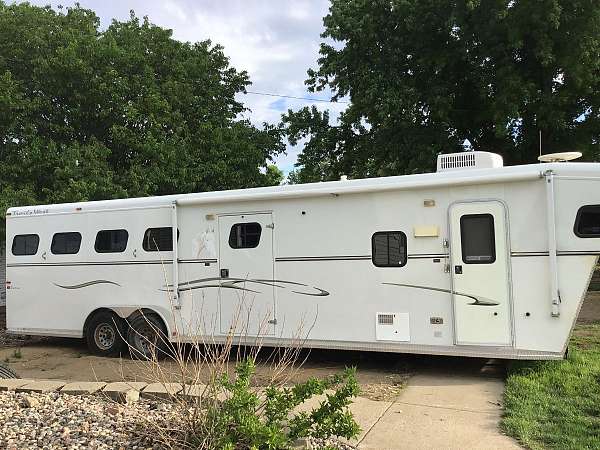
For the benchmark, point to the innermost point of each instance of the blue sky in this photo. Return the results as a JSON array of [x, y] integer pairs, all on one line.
[[275, 41]]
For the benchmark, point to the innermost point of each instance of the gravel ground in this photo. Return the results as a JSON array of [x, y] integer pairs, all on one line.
[[58, 421], [53, 421]]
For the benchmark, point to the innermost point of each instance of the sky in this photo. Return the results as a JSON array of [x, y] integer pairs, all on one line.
[[275, 41]]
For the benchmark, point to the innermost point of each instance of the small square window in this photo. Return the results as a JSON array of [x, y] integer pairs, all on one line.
[[587, 222], [388, 249], [159, 239], [66, 243], [25, 244], [111, 241], [245, 235]]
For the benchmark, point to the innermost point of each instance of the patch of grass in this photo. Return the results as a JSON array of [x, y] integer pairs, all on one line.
[[17, 353], [556, 404]]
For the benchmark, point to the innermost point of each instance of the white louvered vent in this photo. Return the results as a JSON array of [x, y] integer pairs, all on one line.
[[468, 160], [385, 319], [392, 326]]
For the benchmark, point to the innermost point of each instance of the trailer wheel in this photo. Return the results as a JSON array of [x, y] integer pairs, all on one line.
[[147, 337], [7, 372], [104, 333]]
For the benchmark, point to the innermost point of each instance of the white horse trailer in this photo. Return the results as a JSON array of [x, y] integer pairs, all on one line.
[[474, 260]]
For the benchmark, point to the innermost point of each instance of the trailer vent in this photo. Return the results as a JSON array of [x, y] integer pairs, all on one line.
[[385, 319], [392, 326], [468, 160]]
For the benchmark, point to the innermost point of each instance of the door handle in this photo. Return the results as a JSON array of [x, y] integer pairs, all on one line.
[[458, 270]]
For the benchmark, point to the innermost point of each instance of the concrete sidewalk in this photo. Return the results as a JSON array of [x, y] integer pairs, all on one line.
[[439, 411]]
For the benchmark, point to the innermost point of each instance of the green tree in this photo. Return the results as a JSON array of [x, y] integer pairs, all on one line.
[[274, 175], [423, 76], [88, 114]]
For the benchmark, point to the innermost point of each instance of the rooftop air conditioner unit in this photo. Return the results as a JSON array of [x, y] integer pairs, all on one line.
[[468, 160]]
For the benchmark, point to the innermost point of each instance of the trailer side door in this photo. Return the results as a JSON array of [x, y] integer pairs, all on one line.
[[480, 273], [246, 297]]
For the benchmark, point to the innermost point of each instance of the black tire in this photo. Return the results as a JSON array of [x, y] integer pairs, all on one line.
[[147, 337], [104, 334], [7, 372]]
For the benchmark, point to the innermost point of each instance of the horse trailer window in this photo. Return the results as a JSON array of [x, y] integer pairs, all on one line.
[[111, 241], [25, 244], [388, 249], [587, 223], [245, 235], [159, 239], [477, 239], [65, 243]]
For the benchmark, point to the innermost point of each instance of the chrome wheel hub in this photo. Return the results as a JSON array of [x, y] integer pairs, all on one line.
[[105, 336]]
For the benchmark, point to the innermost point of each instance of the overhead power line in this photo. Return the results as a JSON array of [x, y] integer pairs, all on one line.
[[268, 94]]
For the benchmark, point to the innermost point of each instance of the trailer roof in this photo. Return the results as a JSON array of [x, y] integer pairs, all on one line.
[[427, 180]]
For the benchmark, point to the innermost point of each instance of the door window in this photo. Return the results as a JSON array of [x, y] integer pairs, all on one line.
[[477, 239], [245, 235]]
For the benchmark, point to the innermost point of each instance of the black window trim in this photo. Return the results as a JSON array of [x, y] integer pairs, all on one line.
[[244, 223], [108, 231], [462, 240], [37, 245], [404, 255], [578, 220], [66, 232]]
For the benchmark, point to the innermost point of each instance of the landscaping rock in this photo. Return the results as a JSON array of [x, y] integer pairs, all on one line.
[[124, 392]]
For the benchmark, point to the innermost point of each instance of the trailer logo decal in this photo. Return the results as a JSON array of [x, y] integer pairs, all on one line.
[[232, 283], [478, 301], [86, 284]]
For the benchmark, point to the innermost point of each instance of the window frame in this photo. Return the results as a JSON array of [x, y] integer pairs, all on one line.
[[110, 231], [37, 245], [580, 212], [158, 250], [404, 255], [64, 233], [462, 240], [260, 230]]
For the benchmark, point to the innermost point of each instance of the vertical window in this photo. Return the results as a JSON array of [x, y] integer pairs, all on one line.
[[159, 239], [388, 249], [111, 241], [587, 222], [477, 239], [25, 244], [245, 235], [65, 243]]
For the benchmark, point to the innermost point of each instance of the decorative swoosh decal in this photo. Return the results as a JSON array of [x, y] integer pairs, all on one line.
[[86, 284], [231, 283], [478, 301]]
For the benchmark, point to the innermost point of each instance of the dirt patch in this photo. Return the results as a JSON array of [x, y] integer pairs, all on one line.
[[590, 310]]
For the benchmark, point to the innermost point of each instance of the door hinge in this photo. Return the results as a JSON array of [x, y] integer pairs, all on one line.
[[271, 226]]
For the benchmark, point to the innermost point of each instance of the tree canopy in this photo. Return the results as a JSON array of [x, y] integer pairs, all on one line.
[[423, 76], [91, 114]]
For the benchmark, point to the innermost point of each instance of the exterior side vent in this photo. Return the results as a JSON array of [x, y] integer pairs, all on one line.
[[468, 160], [392, 326], [385, 319]]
